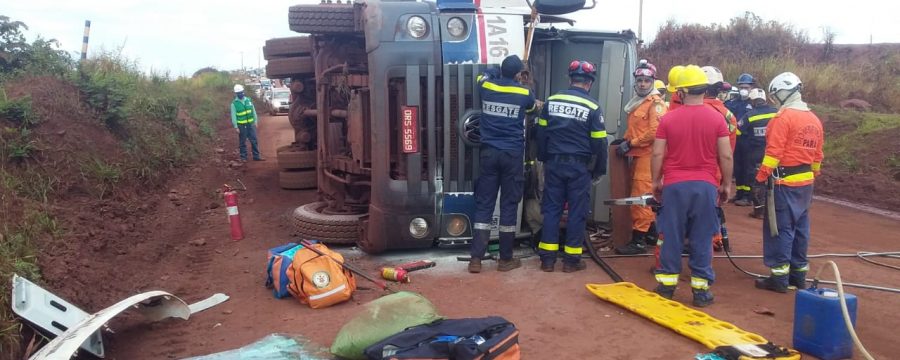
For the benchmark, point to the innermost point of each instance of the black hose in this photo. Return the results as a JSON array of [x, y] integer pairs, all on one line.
[[603, 265]]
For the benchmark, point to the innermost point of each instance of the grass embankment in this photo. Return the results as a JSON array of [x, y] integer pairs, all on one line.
[[92, 130]]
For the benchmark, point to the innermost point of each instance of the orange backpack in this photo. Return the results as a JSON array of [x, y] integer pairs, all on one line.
[[320, 281]]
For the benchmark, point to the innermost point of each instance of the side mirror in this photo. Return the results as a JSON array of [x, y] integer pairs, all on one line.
[[560, 7]]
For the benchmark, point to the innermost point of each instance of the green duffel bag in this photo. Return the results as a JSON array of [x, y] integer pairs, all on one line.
[[382, 318]]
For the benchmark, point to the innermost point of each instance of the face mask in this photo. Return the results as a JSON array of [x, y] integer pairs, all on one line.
[[745, 94], [240, 95]]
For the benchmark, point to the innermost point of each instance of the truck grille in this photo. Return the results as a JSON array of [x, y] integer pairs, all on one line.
[[460, 162]]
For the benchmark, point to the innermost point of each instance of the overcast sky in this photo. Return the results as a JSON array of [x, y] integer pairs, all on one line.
[[181, 36]]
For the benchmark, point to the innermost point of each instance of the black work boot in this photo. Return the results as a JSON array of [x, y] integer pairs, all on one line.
[[569, 267], [652, 235], [797, 279], [507, 265], [758, 212], [774, 283], [703, 298], [474, 265], [635, 246], [547, 266], [665, 291]]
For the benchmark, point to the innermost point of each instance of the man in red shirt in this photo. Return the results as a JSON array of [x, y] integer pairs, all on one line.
[[691, 147]]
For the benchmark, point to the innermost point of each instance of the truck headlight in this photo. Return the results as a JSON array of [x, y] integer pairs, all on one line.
[[417, 27], [456, 27], [457, 225], [418, 227]]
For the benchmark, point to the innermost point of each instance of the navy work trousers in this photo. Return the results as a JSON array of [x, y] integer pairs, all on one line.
[[788, 249], [688, 210], [504, 171], [247, 132], [564, 181]]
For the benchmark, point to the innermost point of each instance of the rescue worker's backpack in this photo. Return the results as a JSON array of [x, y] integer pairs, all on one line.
[[277, 266], [459, 339], [320, 281]]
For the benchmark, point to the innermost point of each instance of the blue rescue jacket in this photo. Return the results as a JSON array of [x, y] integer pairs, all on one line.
[[752, 130], [504, 104], [571, 124], [738, 107]]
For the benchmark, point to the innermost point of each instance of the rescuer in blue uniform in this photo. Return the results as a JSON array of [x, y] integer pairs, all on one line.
[[739, 106], [504, 104], [571, 136], [752, 134]]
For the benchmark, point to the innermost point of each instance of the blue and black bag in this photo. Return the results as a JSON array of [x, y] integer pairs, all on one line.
[[279, 261]]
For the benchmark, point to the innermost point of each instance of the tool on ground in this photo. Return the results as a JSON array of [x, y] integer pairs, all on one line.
[[381, 285], [243, 187], [770, 206], [234, 217], [400, 273], [727, 340]]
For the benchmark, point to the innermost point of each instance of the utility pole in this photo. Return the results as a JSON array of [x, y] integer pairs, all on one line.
[[84, 41], [641, 22], [242, 61]]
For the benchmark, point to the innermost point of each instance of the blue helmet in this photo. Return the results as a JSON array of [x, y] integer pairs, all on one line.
[[745, 78]]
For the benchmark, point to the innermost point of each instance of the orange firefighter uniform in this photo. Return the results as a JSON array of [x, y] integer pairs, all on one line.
[[642, 124], [793, 138]]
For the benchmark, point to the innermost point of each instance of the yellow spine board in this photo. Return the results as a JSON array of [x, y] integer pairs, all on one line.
[[696, 325]]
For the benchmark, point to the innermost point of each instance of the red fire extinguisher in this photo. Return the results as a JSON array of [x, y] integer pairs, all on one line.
[[231, 202]]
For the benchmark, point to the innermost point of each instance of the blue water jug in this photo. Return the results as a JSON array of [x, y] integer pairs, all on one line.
[[819, 327]]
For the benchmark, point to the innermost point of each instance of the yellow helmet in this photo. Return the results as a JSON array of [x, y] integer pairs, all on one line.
[[673, 76], [658, 85], [691, 76]]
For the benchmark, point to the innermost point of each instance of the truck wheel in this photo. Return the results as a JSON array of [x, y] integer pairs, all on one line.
[[287, 47], [290, 67], [325, 18], [298, 179], [311, 223], [289, 159]]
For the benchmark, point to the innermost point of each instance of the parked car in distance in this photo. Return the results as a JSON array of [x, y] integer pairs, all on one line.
[[281, 101]]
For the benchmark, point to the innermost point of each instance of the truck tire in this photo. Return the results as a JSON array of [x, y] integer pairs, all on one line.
[[287, 47], [290, 159], [325, 18], [311, 223], [298, 179], [290, 67]]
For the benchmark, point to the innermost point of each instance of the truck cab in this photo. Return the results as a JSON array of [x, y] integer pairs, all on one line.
[[397, 109]]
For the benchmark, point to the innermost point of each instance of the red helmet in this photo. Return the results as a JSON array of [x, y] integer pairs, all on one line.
[[582, 68], [645, 68]]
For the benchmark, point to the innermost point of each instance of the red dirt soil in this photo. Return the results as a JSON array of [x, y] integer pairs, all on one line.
[[549, 308]]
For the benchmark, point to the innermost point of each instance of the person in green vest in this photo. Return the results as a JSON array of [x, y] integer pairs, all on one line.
[[243, 118]]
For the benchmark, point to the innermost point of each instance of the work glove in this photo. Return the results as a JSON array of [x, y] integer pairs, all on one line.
[[624, 148], [616, 142]]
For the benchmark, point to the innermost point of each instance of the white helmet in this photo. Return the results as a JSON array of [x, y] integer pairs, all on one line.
[[757, 93], [238, 88], [713, 75], [785, 81]]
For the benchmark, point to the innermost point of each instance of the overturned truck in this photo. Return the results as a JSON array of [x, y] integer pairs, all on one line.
[[385, 99]]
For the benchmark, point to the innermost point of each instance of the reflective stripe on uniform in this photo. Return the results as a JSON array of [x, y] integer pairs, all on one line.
[[573, 250], [549, 247], [797, 178], [542, 122], [816, 166], [667, 279], [507, 228], [738, 132], [742, 187], [481, 226], [780, 270], [504, 89], [699, 283], [575, 99], [598, 134], [804, 268], [770, 162], [761, 117]]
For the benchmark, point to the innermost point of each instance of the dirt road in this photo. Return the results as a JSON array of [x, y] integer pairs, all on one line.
[[557, 317]]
